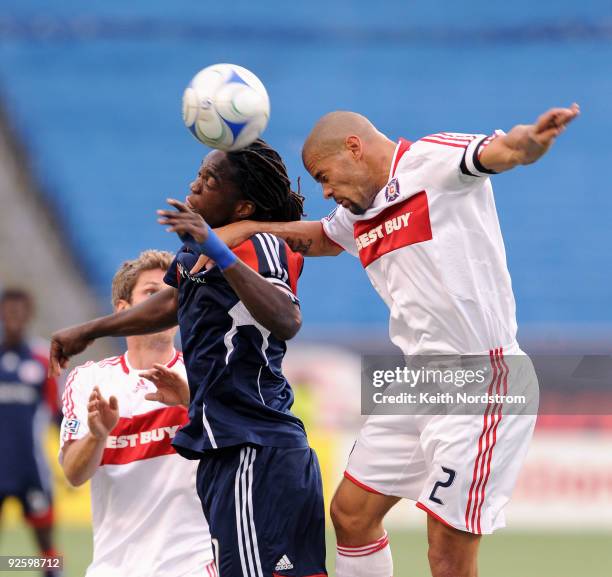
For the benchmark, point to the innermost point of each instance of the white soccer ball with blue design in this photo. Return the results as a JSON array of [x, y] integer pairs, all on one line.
[[226, 106]]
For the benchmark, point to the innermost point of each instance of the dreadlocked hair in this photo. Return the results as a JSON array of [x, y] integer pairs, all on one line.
[[261, 176]]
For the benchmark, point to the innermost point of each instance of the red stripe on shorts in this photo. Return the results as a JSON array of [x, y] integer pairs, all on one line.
[[472, 496], [505, 371]]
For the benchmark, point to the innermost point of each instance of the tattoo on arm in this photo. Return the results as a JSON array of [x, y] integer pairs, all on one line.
[[299, 245]]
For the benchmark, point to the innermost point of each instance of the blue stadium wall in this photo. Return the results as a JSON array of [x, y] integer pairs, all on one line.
[[94, 90]]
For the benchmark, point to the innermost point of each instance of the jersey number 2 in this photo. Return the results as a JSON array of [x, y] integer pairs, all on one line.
[[451, 477]]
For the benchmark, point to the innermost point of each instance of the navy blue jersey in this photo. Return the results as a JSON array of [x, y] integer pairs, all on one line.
[[238, 391], [25, 394]]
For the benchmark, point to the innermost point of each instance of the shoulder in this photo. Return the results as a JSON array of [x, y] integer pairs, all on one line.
[[449, 139], [83, 375], [263, 250], [268, 242], [338, 215], [116, 361], [438, 147], [78, 383]]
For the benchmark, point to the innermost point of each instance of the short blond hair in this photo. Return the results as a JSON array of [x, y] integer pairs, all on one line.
[[126, 277]]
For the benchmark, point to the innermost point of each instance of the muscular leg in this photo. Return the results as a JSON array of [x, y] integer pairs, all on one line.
[[357, 515], [452, 553]]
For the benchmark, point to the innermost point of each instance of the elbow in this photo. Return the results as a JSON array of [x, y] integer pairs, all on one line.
[[290, 325], [287, 333], [74, 479], [73, 476]]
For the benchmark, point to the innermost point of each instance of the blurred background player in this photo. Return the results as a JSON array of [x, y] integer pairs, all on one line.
[[147, 519], [28, 398], [258, 479]]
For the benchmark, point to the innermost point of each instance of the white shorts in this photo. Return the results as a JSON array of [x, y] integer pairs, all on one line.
[[460, 469]]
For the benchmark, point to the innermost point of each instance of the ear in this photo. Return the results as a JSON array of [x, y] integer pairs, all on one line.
[[244, 209], [354, 146], [122, 305]]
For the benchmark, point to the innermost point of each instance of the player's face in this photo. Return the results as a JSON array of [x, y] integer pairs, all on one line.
[[15, 316], [213, 193], [343, 178], [149, 283]]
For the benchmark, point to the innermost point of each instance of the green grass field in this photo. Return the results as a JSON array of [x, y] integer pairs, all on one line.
[[506, 554]]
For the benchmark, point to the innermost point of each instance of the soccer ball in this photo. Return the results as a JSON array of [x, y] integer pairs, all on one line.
[[226, 106]]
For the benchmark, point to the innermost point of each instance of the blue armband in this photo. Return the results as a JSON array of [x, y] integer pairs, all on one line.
[[212, 247]]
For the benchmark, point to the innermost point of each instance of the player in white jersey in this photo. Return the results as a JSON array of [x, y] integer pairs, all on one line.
[[147, 518], [421, 218]]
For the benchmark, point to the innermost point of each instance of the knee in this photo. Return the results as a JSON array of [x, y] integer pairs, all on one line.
[[348, 520]]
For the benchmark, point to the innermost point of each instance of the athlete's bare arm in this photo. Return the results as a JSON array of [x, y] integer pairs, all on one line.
[[303, 236], [81, 458], [526, 143], [156, 314]]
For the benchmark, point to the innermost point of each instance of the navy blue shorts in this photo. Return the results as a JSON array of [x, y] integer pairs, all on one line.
[[265, 509]]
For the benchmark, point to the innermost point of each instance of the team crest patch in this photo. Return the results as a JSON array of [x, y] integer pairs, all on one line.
[[392, 190], [72, 426]]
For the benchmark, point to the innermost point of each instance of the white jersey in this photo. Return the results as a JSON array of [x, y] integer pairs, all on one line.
[[147, 518], [432, 247]]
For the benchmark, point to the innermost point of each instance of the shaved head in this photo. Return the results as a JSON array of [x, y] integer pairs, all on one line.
[[331, 131], [349, 157]]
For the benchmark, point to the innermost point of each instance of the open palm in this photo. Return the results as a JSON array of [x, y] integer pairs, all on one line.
[[172, 388]]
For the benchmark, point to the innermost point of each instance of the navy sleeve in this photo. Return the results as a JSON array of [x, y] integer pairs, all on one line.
[[171, 277]]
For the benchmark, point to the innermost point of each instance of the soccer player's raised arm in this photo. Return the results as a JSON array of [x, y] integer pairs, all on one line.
[[155, 314], [80, 458], [526, 143], [270, 305], [303, 236]]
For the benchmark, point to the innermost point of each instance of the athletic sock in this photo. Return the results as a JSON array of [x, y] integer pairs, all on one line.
[[372, 560]]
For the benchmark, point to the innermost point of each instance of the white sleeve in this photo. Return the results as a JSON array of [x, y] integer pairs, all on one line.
[[338, 228], [455, 157], [74, 404]]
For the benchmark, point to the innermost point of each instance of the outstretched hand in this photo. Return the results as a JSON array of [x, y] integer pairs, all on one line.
[[526, 143], [551, 124], [172, 388]]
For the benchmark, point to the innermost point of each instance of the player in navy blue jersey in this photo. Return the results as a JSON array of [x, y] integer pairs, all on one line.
[[258, 480], [28, 397]]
